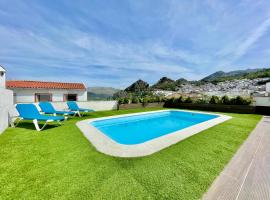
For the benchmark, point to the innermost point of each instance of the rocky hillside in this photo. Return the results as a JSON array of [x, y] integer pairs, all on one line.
[[138, 86], [165, 84]]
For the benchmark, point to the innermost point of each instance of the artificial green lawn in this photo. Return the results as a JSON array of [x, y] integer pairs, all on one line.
[[59, 163]]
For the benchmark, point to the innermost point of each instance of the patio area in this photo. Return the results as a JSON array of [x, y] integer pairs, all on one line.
[[247, 175], [60, 163]]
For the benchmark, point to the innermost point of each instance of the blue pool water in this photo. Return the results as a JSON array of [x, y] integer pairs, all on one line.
[[141, 128]]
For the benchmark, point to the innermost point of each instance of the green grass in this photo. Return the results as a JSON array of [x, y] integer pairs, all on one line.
[[59, 163]]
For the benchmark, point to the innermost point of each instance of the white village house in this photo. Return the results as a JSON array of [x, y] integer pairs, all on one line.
[[263, 100], [36, 91]]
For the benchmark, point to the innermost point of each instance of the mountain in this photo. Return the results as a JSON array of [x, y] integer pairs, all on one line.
[[238, 74], [181, 81], [138, 87], [165, 84], [213, 76], [100, 93]]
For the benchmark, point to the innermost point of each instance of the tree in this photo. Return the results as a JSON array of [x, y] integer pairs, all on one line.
[[214, 100], [225, 100], [188, 100]]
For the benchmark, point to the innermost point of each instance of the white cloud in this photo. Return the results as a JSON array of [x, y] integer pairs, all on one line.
[[255, 35]]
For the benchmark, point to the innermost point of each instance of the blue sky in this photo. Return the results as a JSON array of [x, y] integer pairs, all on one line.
[[115, 42]]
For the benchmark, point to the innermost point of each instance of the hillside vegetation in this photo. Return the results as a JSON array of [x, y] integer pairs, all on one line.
[[240, 74]]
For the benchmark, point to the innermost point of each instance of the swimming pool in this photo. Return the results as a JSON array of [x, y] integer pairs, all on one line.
[[141, 128], [141, 134]]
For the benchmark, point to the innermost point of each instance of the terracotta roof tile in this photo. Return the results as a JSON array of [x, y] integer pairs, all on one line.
[[44, 85]]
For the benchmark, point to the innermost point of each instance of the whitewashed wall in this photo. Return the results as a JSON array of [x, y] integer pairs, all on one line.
[[28, 95], [262, 101], [6, 103], [2, 78], [95, 105], [268, 87]]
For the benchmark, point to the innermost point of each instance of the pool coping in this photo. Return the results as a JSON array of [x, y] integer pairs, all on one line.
[[110, 147]]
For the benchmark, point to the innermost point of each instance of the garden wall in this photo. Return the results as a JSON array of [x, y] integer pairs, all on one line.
[[140, 105], [6, 103], [95, 105]]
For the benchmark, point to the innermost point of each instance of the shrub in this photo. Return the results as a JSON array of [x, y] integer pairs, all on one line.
[[225, 100], [240, 101], [169, 102], [180, 100], [121, 101], [247, 101], [145, 100], [201, 101], [159, 99], [151, 99], [214, 100], [126, 100], [135, 100], [188, 100]]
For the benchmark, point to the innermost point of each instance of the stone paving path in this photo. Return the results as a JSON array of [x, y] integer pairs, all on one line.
[[247, 176]]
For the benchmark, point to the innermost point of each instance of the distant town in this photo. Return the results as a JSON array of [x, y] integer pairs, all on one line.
[[245, 83], [232, 88]]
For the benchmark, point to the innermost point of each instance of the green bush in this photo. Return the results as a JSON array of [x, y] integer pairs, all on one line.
[[214, 100], [188, 100], [152, 99], [159, 99], [201, 101], [240, 101], [135, 100], [180, 100], [126, 101], [145, 100], [121, 101], [225, 100], [169, 102], [173, 102]]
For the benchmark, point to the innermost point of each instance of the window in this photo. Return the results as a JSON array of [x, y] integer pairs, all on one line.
[[70, 97], [43, 97]]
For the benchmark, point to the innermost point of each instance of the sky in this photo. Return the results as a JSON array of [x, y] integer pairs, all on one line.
[[116, 42]]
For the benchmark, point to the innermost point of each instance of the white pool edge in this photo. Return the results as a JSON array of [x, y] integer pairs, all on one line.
[[108, 146]]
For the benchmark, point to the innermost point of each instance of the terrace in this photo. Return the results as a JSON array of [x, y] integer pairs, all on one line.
[[60, 163]]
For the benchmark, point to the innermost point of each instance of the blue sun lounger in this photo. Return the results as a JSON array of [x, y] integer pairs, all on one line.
[[48, 108], [73, 106], [30, 112]]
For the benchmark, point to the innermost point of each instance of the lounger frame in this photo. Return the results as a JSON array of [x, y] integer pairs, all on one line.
[[35, 122]]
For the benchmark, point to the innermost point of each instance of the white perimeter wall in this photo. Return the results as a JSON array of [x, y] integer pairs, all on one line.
[[268, 87], [6, 103], [95, 105], [28, 95], [262, 101]]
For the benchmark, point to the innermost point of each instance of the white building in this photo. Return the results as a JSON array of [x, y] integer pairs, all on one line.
[[6, 101], [36, 91], [263, 98], [268, 87], [2, 78]]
